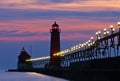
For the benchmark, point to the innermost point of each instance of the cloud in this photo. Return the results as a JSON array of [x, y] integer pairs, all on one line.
[[62, 1], [5, 31], [14, 14], [25, 39], [66, 5], [33, 19], [36, 30], [14, 33]]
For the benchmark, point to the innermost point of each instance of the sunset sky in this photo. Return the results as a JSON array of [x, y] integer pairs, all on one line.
[[27, 23]]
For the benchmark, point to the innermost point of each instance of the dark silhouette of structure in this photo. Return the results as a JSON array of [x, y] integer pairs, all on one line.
[[55, 45], [95, 60], [86, 55], [22, 64]]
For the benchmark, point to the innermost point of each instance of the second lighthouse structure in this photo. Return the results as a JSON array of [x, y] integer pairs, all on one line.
[[55, 45]]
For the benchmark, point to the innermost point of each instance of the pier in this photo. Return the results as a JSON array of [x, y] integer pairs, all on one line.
[[97, 59]]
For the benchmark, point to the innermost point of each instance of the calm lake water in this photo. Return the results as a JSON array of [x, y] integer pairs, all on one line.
[[26, 76]]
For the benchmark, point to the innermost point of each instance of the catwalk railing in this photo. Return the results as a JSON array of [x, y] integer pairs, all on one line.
[[104, 46]]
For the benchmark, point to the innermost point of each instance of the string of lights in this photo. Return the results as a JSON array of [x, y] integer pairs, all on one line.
[[89, 43], [79, 47]]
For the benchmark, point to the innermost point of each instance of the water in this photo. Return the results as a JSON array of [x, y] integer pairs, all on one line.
[[26, 76]]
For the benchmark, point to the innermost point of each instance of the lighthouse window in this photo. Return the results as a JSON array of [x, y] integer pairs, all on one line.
[[55, 28]]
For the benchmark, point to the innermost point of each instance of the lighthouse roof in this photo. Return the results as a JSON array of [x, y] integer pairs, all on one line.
[[24, 54], [55, 24]]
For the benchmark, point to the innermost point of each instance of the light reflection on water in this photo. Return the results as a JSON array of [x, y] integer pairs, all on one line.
[[28, 76]]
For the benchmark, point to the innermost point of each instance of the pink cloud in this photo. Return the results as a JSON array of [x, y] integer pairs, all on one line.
[[31, 38], [75, 36], [86, 5], [72, 29], [84, 24]]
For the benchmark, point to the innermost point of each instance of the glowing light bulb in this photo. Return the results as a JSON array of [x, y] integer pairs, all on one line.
[[96, 33], [118, 24], [105, 29], [107, 32], [99, 32], [111, 26], [91, 38]]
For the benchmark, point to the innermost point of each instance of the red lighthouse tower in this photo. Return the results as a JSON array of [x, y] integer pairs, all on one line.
[[55, 45]]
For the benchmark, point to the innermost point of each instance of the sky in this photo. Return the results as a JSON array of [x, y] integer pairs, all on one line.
[[27, 23]]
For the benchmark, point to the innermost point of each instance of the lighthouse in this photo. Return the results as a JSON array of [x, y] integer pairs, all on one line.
[[22, 64], [55, 45]]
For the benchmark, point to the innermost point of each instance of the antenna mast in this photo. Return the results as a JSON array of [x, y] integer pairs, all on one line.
[[31, 50]]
